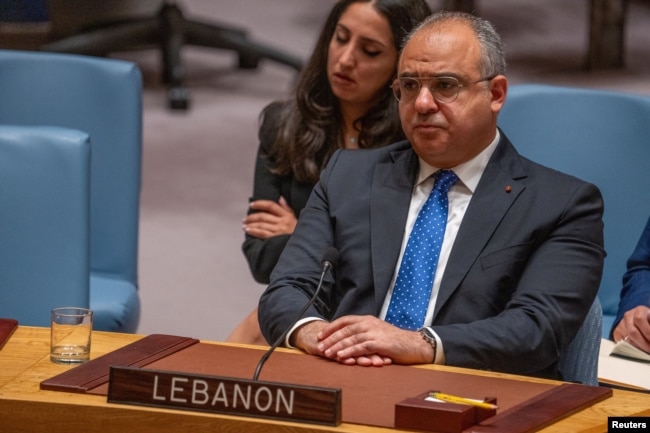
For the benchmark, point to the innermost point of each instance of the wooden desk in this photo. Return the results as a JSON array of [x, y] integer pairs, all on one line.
[[24, 363]]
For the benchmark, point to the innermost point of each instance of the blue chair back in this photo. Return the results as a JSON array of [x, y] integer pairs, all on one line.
[[44, 221], [102, 97], [598, 136]]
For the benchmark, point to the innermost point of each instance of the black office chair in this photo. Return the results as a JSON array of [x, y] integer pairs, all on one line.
[[169, 30]]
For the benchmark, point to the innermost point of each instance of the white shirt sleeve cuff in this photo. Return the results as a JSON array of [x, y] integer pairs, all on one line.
[[298, 324]]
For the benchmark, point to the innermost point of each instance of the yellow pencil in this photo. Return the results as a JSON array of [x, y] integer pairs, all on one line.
[[462, 400]]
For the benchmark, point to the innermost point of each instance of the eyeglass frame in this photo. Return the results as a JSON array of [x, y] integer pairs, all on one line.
[[432, 91]]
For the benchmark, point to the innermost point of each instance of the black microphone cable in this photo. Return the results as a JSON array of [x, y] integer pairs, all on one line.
[[330, 257]]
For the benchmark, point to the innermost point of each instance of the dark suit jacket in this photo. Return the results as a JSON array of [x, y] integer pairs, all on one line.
[[522, 274], [636, 281], [263, 254]]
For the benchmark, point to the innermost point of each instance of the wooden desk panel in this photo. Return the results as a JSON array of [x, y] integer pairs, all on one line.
[[24, 363]]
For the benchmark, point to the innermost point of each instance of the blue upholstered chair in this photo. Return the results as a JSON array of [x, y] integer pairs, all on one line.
[[602, 137], [44, 221], [102, 97], [579, 361]]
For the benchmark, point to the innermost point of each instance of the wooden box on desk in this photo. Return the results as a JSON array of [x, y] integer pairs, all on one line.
[[418, 413]]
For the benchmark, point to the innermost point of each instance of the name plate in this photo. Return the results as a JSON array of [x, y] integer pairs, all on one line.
[[231, 396]]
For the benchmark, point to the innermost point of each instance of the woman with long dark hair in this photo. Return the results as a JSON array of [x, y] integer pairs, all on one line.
[[342, 100]]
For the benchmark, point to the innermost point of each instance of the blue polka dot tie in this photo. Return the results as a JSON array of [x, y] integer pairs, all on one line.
[[410, 300]]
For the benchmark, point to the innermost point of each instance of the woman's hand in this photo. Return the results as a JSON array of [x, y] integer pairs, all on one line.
[[270, 219]]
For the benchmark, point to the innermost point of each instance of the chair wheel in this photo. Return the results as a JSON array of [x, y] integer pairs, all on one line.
[[178, 98]]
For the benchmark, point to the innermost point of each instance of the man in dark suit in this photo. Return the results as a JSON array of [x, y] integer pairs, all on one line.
[[632, 322], [522, 254]]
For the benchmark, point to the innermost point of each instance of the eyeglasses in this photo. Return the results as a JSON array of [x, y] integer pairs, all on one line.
[[443, 89]]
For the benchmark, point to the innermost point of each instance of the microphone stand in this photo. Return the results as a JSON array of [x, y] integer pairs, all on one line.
[[327, 265]]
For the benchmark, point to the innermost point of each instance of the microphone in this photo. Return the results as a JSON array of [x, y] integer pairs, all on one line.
[[330, 258]]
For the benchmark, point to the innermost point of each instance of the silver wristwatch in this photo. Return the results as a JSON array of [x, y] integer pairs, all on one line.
[[427, 335]]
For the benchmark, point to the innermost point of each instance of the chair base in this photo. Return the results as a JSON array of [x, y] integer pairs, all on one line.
[[169, 30]]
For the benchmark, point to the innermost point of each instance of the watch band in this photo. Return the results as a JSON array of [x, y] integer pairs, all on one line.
[[428, 336]]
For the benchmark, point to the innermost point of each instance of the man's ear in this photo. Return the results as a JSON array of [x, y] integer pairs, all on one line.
[[498, 92]]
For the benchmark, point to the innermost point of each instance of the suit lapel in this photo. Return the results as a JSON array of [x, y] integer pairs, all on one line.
[[392, 185], [497, 190]]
